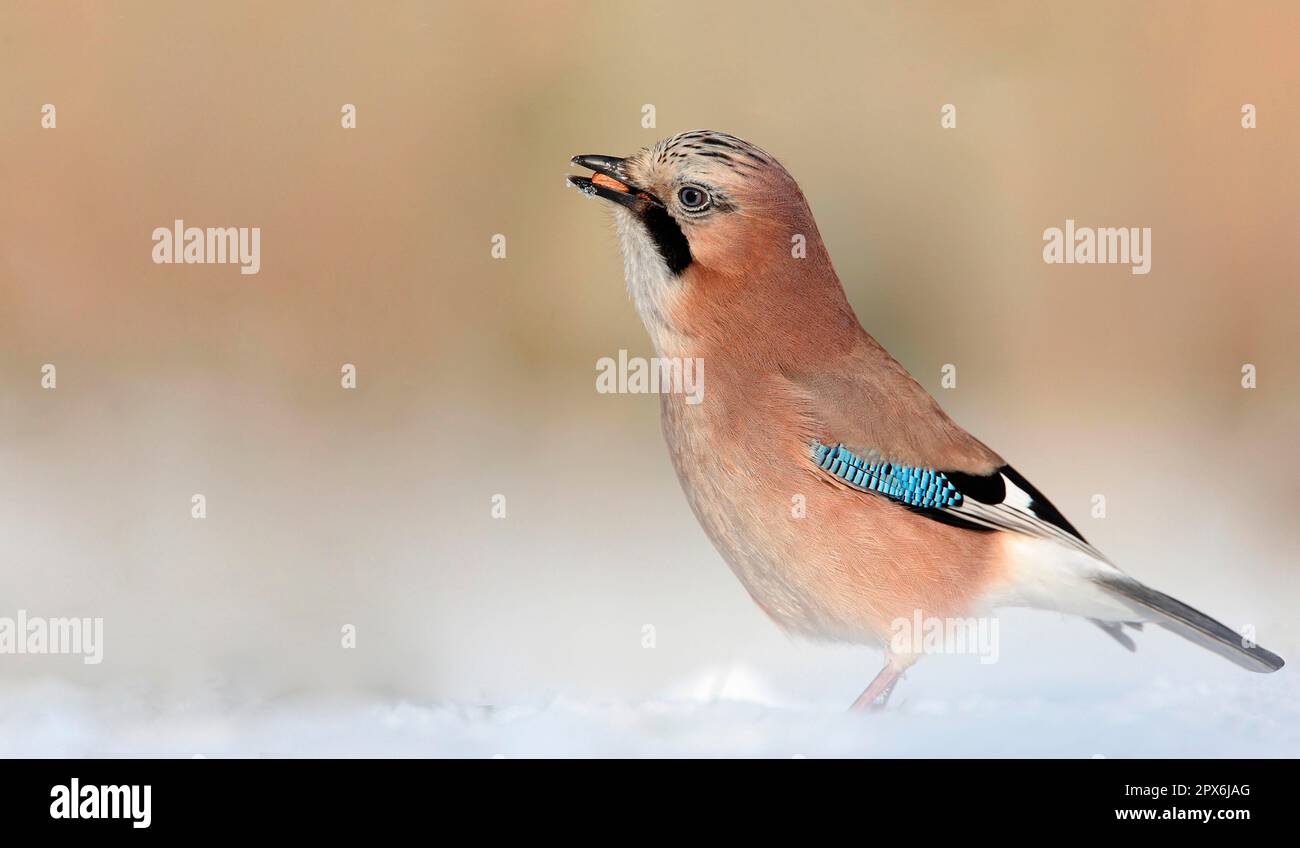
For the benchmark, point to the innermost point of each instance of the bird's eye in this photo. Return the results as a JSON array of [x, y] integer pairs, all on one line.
[[692, 199]]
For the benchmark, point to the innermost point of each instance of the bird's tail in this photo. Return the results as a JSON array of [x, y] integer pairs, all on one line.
[[1192, 624]]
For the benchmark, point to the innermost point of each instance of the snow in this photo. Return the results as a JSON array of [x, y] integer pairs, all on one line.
[[528, 638], [714, 714]]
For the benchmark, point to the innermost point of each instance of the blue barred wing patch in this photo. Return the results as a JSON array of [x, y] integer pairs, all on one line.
[[923, 487]]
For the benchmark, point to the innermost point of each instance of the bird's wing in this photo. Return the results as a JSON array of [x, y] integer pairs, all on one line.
[[871, 427], [999, 500], [877, 430]]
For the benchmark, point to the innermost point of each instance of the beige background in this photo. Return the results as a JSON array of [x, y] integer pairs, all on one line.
[[477, 376]]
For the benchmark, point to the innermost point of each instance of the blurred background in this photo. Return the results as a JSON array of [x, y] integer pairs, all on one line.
[[476, 376]]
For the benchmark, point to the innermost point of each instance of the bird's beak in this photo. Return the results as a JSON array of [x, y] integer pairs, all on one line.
[[610, 182]]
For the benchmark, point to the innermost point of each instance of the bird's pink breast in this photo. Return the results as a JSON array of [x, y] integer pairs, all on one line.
[[821, 559]]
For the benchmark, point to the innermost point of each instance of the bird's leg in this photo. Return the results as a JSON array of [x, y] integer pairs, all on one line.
[[880, 687]]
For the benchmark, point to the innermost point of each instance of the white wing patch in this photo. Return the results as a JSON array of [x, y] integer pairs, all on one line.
[[1017, 513]]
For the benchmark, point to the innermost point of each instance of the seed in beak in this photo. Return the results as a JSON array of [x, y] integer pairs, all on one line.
[[609, 182]]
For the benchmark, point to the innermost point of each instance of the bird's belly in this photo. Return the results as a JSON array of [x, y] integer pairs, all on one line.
[[821, 560]]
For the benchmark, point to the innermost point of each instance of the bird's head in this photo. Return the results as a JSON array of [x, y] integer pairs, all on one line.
[[706, 221]]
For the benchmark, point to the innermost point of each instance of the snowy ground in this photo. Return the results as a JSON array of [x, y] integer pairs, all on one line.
[[724, 714]]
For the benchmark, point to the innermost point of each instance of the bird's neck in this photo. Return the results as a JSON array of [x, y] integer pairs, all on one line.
[[778, 316]]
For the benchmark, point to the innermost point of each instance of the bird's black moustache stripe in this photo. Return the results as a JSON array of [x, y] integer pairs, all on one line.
[[668, 237]]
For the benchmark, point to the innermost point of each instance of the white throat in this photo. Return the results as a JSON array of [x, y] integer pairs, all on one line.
[[652, 286]]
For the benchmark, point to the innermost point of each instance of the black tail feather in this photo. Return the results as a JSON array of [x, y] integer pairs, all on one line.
[[1192, 624]]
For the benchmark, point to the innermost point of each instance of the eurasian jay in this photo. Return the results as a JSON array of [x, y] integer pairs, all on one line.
[[904, 511]]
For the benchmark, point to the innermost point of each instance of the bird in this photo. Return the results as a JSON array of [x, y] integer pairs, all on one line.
[[904, 513]]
